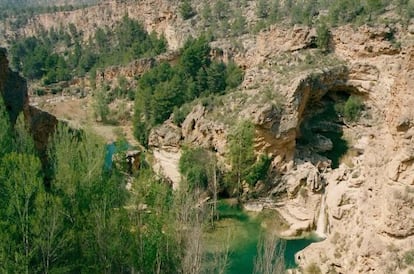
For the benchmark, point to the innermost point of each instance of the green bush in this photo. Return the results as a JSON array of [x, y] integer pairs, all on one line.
[[409, 257], [186, 10], [234, 75], [40, 92], [323, 37], [258, 170], [353, 108], [181, 113], [193, 165]]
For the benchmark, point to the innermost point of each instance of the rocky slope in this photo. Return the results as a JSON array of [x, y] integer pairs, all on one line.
[[369, 198]]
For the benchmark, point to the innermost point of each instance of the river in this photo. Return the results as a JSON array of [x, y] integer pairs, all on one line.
[[240, 232]]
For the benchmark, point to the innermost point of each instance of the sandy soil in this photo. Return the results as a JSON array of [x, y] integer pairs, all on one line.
[[78, 113]]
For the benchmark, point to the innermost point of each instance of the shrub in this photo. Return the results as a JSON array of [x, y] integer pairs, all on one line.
[[193, 166], [258, 171], [262, 9], [313, 268], [234, 75], [353, 108], [409, 257], [323, 37], [186, 10], [40, 92], [180, 113]]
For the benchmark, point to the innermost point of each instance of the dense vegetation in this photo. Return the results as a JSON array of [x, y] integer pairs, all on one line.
[[229, 18], [166, 87], [201, 170], [20, 11], [84, 220], [37, 57]]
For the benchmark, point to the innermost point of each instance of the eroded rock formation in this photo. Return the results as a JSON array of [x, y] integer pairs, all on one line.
[[369, 197]]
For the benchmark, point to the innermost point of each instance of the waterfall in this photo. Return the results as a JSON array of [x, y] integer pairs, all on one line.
[[321, 223]]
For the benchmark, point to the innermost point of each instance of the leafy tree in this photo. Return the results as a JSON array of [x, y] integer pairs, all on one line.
[[216, 77], [165, 97], [100, 105], [258, 171], [155, 247], [241, 151], [52, 237], [234, 75], [195, 55], [21, 181], [193, 165], [5, 133]]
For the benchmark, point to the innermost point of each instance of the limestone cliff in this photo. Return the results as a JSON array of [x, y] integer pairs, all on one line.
[[156, 15], [369, 194]]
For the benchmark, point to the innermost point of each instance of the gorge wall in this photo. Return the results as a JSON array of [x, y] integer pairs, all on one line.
[[156, 15], [369, 197]]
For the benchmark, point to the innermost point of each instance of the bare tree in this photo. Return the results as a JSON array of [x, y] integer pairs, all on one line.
[[270, 255], [221, 256], [190, 215]]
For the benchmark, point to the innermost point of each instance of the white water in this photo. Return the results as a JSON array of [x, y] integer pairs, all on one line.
[[321, 223]]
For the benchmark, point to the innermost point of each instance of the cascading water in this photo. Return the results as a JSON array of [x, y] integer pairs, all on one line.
[[321, 223]]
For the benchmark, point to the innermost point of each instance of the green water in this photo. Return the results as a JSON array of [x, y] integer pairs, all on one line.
[[242, 232]]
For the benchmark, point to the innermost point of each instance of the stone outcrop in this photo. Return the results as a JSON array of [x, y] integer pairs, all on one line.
[[42, 125], [14, 92], [370, 201], [13, 89]]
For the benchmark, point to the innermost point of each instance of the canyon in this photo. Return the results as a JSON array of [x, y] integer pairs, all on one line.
[[361, 201]]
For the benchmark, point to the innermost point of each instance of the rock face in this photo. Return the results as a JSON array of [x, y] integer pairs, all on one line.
[[42, 125], [131, 71], [369, 198], [13, 88], [156, 15], [14, 92]]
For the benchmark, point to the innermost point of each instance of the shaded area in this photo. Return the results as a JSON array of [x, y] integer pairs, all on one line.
[[340, 148], [321, 131]]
